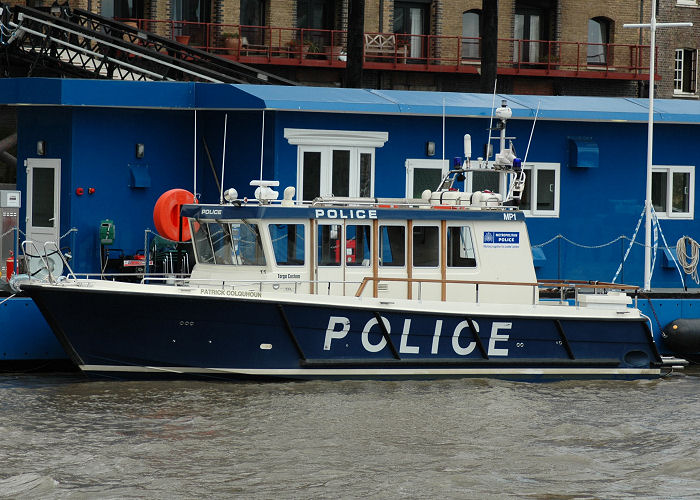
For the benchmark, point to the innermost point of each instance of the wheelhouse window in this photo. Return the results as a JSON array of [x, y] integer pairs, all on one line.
[[685, 71], [426, 246], [236, 243], [329, 244], [471, 33], [287, 243], [599, 29], [335, 162], [392, 246], [673, 191], [358, 245], [540, 197], [460, 247]]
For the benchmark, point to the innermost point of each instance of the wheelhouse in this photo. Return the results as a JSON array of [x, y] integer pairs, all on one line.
[[421, 251]]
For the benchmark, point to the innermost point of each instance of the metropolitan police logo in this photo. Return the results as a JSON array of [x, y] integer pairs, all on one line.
[[501, 239]]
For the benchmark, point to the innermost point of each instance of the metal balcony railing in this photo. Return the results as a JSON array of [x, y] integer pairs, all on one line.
[[406, 52]]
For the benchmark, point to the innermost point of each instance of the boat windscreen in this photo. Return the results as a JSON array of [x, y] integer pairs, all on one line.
[[235, 243]]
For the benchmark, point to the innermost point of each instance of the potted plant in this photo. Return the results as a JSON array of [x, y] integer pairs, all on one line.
[[232, 42], [312, 50]]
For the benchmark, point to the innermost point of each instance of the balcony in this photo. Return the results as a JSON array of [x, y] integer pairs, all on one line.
[[405, 52]]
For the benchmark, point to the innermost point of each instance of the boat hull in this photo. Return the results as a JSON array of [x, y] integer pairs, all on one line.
[[134, 335]]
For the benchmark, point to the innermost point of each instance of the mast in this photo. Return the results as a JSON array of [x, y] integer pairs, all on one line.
[[652, 25]]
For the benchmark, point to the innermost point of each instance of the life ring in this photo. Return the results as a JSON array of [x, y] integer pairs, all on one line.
[[166, 214]]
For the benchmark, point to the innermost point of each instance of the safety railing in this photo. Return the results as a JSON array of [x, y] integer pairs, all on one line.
[[562, 287], [437, 53]]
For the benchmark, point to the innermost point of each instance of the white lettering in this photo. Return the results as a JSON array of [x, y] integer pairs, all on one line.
[[369, 347], [495, 336], [436, 336], [372, 214], [404, 347], [319, 212], [332, 213], [332, 333], [462, 351], [360, 214], [342, 214]]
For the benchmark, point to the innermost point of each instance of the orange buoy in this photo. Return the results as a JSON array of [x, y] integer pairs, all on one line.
[[166, 214]]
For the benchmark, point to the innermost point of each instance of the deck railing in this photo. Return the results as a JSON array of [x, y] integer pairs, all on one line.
[[397, 51]]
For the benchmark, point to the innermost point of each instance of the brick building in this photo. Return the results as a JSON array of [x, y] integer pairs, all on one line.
[[559, 47]]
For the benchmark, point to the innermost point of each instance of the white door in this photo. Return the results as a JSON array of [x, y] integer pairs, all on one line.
[[43, 201]]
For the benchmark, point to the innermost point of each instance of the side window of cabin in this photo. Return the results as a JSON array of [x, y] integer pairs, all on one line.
[[328, 244], [202, 243], [246, 245], [426, 246], [358, 250], [460, 247], [392, 246], [287, 243]]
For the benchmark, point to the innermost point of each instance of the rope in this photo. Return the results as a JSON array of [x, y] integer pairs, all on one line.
[[689, 263], [580, 245]]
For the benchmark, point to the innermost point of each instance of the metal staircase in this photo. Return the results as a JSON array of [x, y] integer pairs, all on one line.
[[66, 42]]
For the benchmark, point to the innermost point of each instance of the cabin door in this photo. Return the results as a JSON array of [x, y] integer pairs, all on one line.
[[344, 256], [43, 202]]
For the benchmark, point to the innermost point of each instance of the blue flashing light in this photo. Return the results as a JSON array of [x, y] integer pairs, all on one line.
[[517, 164], [457, 162]]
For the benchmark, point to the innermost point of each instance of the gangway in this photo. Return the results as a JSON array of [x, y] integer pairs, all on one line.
[[78, 43]]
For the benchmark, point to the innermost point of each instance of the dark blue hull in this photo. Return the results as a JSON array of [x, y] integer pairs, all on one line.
[[136, 335]]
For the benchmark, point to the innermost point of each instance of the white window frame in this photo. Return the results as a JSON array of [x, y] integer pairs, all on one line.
[[326, 141], [679, 69], [414, 163], [670, 170], [503, 178], [687, 3], [532, 180]]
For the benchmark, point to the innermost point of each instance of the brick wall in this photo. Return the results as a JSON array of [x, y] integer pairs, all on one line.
[[670, 39]]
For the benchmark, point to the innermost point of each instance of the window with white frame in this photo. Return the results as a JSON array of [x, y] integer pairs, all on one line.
[[335, 162], [487, 180], [424, 174], [540, 198], [685, 71], [673, 191], [690, 3]]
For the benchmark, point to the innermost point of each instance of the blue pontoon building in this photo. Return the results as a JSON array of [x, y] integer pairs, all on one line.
[[106, 150]]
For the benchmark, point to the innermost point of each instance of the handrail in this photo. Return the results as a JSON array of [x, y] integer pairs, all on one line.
[[327, 47], [563, 285]]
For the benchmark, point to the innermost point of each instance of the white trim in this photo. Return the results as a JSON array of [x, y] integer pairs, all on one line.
[[316, 137], [362, 372], [670, 170]]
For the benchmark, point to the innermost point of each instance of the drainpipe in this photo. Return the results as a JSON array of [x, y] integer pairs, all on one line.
[[381, 16]]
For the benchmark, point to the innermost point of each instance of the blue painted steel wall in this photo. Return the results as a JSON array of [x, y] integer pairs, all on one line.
[[96, 147], [596, 205], [25, 335], [96, 144]]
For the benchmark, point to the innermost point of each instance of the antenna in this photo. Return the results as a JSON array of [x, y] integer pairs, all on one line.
[[194, 189], [443, 129], [493, 107], [262, 143], [532, 131], [223, 163]]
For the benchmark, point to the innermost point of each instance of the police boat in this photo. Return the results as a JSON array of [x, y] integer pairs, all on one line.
[[442, 286]]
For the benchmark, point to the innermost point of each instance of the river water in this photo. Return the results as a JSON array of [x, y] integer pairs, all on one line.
[[64, 436]]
